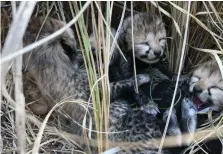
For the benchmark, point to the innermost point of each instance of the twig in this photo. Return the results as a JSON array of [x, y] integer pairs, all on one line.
[[133, 48], [12, 43], [19, 98], [19, 105]]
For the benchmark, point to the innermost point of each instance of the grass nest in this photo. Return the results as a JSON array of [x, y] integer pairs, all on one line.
[[204, 41]]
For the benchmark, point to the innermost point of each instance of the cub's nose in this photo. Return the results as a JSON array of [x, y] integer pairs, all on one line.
[[157, 53], [197, 89]]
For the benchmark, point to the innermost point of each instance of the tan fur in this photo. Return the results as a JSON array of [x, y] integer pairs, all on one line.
[[207, 78], [50, 76], [32, 91], [33, 98]]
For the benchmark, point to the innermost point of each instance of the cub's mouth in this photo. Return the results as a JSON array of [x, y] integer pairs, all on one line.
[[202, 107], [150, 61]]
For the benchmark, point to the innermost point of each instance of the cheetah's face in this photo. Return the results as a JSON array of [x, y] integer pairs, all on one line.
[[151, 49], [149, 37], [207, 84]]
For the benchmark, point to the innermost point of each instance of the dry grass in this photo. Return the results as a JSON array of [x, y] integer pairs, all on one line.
[[191, 42]]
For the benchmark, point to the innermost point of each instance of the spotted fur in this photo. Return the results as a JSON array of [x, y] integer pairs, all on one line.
[[134, 125], [183, 118], [149, 42]]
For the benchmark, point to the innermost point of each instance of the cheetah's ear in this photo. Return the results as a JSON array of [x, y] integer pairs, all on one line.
[[69, 50]]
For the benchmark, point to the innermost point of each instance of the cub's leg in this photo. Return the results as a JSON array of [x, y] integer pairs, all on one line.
[[120, 87], [33, 97]]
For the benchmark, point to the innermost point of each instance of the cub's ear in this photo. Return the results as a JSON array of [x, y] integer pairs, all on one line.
[[69, 50]]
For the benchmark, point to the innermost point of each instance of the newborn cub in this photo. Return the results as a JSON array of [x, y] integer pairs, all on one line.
[[207, 84]]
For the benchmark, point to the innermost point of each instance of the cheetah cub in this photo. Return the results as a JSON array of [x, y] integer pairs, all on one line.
[[149, 43], [207, 84]]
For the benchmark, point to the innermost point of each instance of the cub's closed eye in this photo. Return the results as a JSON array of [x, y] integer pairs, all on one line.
[[196, 77], [144, 43]]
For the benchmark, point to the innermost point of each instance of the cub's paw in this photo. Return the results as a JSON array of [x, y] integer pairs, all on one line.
[[150, 108], [188, 107], [142, 79]]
